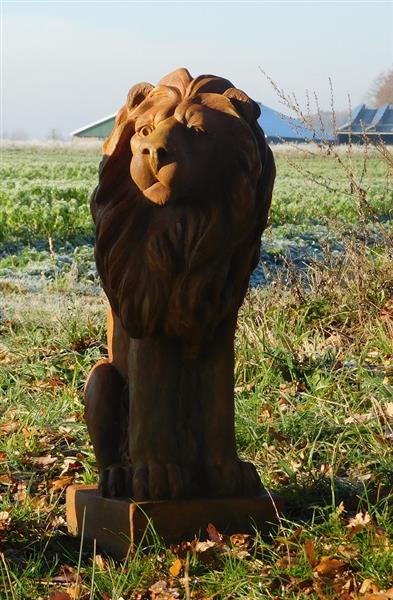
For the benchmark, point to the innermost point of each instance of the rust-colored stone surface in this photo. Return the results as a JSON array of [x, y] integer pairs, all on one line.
[[117, 523], [184, 191]]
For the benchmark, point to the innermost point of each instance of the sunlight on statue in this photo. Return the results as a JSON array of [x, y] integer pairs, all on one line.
[[184, 191]]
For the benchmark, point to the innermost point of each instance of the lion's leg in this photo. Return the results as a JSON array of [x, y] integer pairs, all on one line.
[[226, 474], [106, 418], [157, 427]]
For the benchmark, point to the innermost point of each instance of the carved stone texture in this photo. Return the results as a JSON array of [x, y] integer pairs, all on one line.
[[118, 525], [184, 191]]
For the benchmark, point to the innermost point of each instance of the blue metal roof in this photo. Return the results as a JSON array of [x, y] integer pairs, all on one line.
[[280, 127], [276, 126], [370, 120]]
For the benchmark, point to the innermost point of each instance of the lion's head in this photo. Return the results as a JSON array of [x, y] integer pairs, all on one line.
[[183, 196]]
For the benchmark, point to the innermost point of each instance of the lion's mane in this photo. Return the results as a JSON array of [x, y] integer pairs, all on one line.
[[182, 268]]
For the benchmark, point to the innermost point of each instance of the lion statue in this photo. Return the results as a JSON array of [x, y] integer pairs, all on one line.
[[184, 191]]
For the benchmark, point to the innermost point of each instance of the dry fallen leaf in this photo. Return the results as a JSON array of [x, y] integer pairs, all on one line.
[[309, 548], [379, 595], [357, 523], [43, 462], [70, 465], [176, 567], [57, 485], [100, 562], [21, 492], [387, 409], [57, 595], [161, 591], [368, 584], [67, 575], [348, 551], [6, 479], [5, 519], [204, 546], [387, 310], [241, 540], [214, 534], [8, 428], [329, 566]]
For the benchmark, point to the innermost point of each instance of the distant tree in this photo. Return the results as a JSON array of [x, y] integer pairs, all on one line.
[[325, 119], [381, 91], [55, 134]]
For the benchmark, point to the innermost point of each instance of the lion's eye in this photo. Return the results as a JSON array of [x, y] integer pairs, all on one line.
[[145, 130]]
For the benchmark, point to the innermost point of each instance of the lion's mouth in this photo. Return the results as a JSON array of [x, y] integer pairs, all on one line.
[[158, 193]]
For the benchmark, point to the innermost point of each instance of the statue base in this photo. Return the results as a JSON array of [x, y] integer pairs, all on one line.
[[117, 524]]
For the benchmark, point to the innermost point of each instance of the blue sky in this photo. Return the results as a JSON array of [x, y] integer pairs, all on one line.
[[66, 64]]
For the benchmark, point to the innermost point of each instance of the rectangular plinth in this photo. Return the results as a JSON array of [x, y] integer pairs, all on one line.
[[117, 524]]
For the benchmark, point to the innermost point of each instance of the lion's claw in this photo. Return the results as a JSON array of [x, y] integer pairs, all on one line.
[[161, 481], [115, 481], [153, 481], [233, 478]]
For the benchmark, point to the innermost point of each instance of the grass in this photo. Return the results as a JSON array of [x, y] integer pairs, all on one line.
[[314, 396]]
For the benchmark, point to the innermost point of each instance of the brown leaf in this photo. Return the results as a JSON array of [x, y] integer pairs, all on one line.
[[368, 584], [57, 485], [70, 465], [21, 492], [241, 540], [214, 534], [248, 387], [58, 521], [204, 546], [387, 409], [57, 595], [277, 436], [380, 538], [161, 591], [357, 523], [309, 548], [67, 575], [100, 562], [5, 520], [6, 479], [43, 462], [348, 551], [176, 567], [329, 566], [379, 595], [387, 310], [9, 428]]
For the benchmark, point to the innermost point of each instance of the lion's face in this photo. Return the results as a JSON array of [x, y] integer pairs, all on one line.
[[183, 196], [180, 146]]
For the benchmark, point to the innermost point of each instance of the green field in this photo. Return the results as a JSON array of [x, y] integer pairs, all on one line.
[[314, 387]]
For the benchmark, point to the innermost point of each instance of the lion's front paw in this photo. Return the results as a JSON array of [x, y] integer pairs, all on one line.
[[233, 478], [157, 481], [115, 481]]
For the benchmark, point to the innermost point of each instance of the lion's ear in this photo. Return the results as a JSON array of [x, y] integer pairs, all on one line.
[[246, 107], [137, 94]]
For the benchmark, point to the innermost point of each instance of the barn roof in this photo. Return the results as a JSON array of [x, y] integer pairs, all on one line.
[[279, 127], [91, 127], [276, 126], [370, 120]]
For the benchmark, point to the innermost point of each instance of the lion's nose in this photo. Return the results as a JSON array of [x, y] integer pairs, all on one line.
[[159, 155]]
